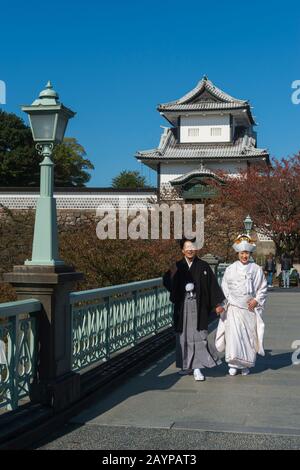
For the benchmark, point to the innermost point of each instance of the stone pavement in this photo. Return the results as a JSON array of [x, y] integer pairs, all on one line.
[[157, 409]]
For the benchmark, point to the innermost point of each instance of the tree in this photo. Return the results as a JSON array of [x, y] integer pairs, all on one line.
[[19, 160], [272, 197], [70, 164], [129, 179], [223, 221], [104, 262]]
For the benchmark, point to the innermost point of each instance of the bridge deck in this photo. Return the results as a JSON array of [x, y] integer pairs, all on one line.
[[158, 409]]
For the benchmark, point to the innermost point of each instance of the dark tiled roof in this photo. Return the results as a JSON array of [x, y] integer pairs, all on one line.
[[242, 147], [201, 171], [213, 95], [201, 106], [205, 97]]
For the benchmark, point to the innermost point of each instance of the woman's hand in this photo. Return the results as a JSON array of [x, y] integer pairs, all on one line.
[[219, 310], [252, 304]]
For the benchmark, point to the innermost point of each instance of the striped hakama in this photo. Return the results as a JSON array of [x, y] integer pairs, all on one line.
[[193, 351]]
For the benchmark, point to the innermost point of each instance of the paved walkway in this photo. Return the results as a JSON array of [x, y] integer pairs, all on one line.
[[158, 409]]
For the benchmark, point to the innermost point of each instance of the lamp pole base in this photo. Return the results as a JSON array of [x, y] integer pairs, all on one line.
[[52, 262]]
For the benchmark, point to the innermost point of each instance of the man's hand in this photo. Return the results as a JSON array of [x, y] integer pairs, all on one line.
[[252, 304], [219, 310]]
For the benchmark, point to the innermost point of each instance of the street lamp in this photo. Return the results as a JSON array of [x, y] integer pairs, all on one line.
[[48, 121], [248, 224]]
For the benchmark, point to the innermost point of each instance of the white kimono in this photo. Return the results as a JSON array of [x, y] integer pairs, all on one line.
[[240, 331]]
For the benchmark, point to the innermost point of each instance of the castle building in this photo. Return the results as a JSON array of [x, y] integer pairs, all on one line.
[[209, 131]]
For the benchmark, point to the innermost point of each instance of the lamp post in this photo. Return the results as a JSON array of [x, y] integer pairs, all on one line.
[[45, 277], [48, 121], [248, 224]]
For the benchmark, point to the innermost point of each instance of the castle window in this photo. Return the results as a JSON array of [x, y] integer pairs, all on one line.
[[216, 131], [193, 132]]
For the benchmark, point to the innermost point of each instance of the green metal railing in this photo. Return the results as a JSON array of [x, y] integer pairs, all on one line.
[[107, 320], [18, 350], [220, 271]]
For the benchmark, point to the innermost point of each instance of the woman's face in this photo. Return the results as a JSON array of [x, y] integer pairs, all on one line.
[[244, 256]]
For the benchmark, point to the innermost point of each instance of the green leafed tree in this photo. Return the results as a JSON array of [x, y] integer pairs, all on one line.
[[71, 164], [129, 179], [19, 161]]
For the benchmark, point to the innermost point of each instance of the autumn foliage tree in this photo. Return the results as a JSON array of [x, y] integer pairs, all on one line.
[[271, 195], [223, 221]]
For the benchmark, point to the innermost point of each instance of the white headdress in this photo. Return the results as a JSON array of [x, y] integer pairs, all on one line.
[[243, 243]]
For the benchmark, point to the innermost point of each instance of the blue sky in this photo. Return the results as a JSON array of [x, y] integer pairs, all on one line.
[[113, 62]]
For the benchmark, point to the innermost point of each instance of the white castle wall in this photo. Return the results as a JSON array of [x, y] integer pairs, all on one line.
[[87, 201], [203, 128]]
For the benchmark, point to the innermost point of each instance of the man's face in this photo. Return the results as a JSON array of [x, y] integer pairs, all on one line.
[[244, 256], [189, 250]]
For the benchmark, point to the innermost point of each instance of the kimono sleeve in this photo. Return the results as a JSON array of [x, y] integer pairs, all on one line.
[[261, 287], [167, 282], [168, 278], [225, 289]]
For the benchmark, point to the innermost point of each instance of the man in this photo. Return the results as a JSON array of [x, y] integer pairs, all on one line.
[[286, 265], [195, 293], [241, 328], [270, 269]]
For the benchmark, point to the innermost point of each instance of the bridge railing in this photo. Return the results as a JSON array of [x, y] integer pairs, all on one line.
[[18, 350], [108, 320], [220, 271]]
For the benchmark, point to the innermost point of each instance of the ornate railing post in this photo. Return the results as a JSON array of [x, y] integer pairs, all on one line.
[[107, 330], [221, 271], [13, 365], [213, 261], [56, 384], [156, 309], [135, 316], [18, 348], [15, 362]]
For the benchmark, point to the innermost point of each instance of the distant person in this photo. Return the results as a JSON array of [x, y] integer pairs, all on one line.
[[195, 293], [270, 269], [241, 328], [286, 265]]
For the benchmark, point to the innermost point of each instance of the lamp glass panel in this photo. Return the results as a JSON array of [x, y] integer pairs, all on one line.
[[248, 224], [42, 126], [61, 127]]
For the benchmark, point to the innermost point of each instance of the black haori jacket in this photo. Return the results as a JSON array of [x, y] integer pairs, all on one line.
[[208, 292]]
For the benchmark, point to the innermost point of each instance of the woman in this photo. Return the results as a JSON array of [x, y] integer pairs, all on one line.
[[241, 328]]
